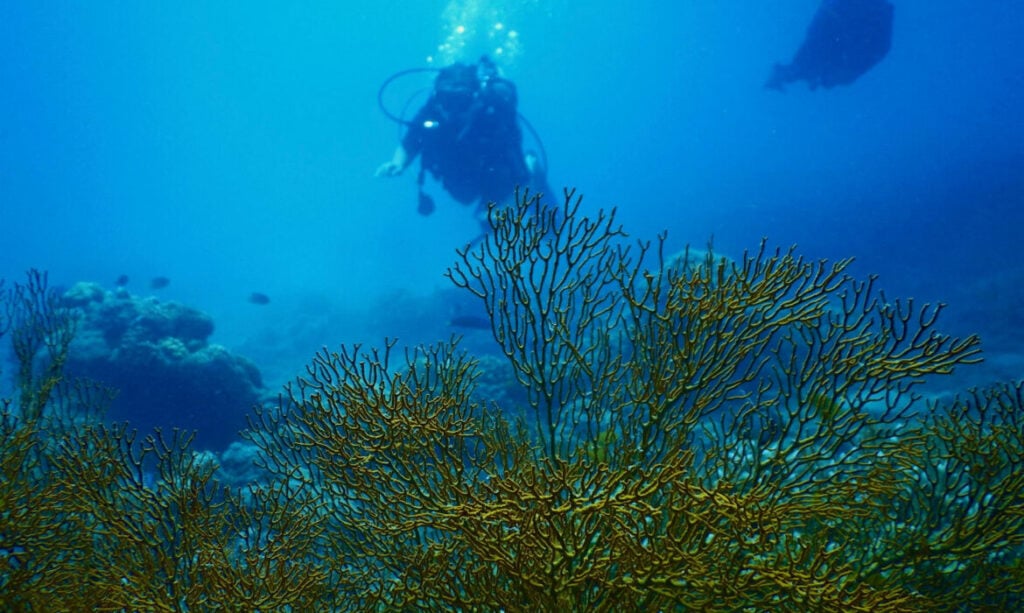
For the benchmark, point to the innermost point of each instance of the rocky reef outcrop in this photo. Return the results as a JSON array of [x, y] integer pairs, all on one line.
[[158, 356]]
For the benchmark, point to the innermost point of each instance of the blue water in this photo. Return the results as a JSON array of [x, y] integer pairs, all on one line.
[[233, 150]]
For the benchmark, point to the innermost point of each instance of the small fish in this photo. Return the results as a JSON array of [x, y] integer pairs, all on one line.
[[159, 282], [121, 281], [259, 298], [470, 321]]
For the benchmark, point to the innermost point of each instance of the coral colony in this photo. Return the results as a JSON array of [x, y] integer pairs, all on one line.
[[675, 433]]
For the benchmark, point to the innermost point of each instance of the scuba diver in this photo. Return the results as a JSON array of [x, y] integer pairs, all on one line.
[[846, 38], [468, 136]]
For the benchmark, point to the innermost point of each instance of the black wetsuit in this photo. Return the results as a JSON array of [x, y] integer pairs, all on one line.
[[477, 153]]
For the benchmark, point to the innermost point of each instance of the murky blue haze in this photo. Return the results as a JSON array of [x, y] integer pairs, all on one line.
[[231, 147]]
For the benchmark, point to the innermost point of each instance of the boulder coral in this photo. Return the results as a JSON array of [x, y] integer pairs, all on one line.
[[157, 354]]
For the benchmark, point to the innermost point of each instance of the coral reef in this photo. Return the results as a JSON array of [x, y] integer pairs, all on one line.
[[156, 354], [688, 433], [98, 518], [697, 434]]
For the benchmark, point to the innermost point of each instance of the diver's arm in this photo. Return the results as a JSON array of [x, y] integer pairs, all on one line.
[[501, 95], [396, 165], [411, 144]]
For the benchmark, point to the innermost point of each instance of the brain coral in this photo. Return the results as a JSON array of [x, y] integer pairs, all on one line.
[[158, 356]]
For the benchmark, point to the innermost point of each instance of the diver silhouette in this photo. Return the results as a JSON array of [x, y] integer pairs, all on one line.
[[845, 39], [467, 135]]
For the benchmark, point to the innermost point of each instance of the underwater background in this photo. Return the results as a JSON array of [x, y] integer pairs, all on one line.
[[231, 148]]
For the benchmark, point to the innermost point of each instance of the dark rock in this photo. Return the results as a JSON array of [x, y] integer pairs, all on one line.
[[158, 356]]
